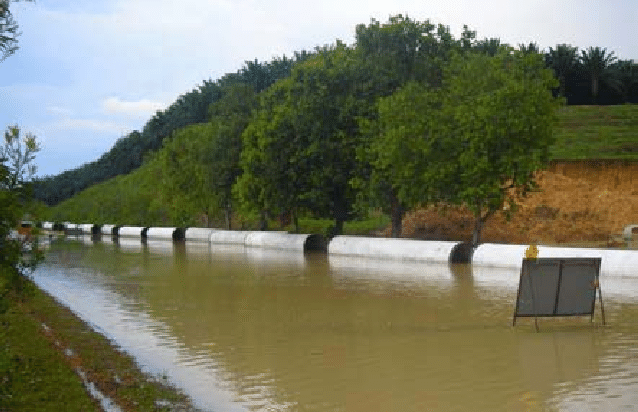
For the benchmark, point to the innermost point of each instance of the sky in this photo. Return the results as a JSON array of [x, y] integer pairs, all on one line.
[[89, 72]]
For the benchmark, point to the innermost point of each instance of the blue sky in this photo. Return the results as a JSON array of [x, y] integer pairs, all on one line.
[[88, 73]]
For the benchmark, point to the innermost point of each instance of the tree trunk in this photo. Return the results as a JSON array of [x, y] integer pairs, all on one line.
[[295, 220], [228, 216], [396, 215], [594, 89], [339, 213], [263, 222], [338, 229], [478, 226]]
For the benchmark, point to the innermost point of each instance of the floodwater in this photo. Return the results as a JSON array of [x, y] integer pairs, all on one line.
[[256, 330]]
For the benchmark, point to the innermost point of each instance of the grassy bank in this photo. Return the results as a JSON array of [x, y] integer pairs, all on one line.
[[597, 132], [43, 345]]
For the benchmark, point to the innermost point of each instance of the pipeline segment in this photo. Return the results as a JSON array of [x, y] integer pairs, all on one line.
[[131, 231], [614, 261], [108, 229], [198, 234], [390, 248], [283, 241], [165, 233]]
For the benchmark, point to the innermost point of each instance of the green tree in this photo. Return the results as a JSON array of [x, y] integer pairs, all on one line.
[[8, 31], [476, 141], [529, 48], [392, 54], [490, 46], [626, 74], [299, 151], [596, 63], [19, 152], [231, 114], [185, 178], [200, 164], [17, 253], [563, 60]]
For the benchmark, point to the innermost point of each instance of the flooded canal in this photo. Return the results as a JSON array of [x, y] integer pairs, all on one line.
[[256, 330]]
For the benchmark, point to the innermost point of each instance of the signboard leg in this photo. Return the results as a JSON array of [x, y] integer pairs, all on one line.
[[600, 299], [531, 291]]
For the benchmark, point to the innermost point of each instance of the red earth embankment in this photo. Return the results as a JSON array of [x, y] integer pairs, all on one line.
[[588, 201]]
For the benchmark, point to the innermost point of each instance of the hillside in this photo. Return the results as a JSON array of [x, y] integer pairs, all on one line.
[[578, 203], [580, 199]]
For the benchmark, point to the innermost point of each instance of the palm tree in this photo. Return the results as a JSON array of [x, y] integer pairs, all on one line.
[[626, 74], [489, 46], [563, 61], [531, 48], [596, 63]]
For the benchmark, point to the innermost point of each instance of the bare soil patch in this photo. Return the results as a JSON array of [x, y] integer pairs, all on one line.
[[578, 202]]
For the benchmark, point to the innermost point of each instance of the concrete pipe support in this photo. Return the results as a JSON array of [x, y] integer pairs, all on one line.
[[284, 241], [614, 261], [107, 229], [198, 234], [86, 228], [398, 249], [164, 233], [229, 237], [131, 231]]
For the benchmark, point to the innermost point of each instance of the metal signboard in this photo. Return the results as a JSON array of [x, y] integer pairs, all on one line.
[[558, 287]]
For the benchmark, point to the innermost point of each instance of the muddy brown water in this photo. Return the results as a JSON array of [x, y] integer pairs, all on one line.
[[258, 330]]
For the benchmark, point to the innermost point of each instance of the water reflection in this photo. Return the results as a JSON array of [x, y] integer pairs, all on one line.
[[287, 331]]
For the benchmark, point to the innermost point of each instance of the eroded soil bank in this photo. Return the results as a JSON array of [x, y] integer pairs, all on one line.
[[588, 202]]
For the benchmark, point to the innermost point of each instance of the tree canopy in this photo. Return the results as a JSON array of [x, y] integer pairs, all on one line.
[[407, 115], [475, 141], [17, 253]]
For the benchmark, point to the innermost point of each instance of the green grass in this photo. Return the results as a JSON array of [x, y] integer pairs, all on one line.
[[35, 373], [597, 132], [376, 221]]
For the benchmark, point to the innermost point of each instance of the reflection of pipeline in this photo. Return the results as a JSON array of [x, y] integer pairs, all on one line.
[[88, 239], [129, 244], [614, 262], [161, 247], [254, 256], [400, 273]]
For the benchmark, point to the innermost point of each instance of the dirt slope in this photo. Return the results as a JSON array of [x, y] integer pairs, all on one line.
[[586, 202]]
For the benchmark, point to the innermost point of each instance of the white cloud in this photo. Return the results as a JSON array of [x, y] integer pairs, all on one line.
[[114, 105], [85, 124], [59, 111]]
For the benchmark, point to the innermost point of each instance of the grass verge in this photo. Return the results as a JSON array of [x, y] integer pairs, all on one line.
[[597, 132], [43, 345]]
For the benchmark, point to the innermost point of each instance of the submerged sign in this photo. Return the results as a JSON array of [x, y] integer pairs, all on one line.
[[558, 287]]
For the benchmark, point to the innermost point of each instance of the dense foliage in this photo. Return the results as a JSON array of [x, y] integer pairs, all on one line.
[[9, 30], [477, 140], [129, 152], [18, 251], [389, 55], [408, 115]]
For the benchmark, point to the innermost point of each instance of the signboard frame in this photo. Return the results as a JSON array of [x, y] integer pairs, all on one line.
[[550, 287]]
